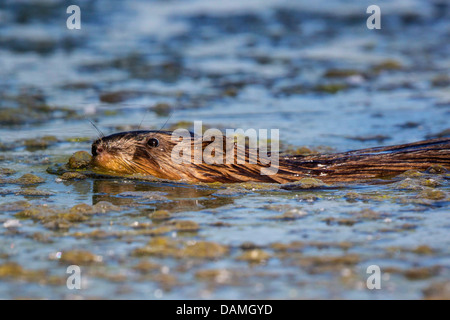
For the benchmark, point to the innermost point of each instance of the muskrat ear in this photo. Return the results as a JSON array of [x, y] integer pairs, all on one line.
[[153, 142]]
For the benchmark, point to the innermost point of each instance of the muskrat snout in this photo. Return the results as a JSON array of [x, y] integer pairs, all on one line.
[[131, 152]]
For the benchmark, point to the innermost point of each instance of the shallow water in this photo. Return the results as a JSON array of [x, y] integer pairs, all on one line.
[[315, 72]]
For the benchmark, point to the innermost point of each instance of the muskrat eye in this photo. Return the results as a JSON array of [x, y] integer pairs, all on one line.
[[96, 150], [153, 142]]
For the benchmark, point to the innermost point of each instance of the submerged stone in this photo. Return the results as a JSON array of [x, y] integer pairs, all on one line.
[[411, 174], [79, 160], [104, 207], [291, 214], [331, 87], [81, 208], [254, 256], [437, 169], [158, 246], [144, 195], [421, 273], [6, 171], [320, 264], [341, 221], [305, 183], [341, 73], [34, 192], [15, 206], [387, 65], [116, 96], [39, 143], [205, 250], [437, 291], [79, 257], [146, 266], [219, 276], [407, 184], [28, 178], [12, 270], [73, 176], [423, 250], [186, 226], [432, 194], [369, 214], [160, 215]]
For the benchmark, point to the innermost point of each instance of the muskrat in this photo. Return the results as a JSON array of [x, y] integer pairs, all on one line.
[[149, 153]]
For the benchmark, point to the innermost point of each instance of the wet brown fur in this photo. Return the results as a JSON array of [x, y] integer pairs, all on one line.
[[129, 153]]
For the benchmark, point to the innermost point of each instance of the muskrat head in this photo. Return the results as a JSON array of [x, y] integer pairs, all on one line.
[[146, 152], [154, 153]]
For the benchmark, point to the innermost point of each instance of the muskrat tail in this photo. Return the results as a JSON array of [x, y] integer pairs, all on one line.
[[379, 162]]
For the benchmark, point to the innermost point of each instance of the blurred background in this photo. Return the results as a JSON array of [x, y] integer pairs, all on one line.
[[313, 70], [309, 68]]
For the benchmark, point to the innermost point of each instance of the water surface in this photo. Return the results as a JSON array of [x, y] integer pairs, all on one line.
[[313, 71]]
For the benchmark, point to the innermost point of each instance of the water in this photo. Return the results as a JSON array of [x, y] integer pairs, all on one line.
[[313, 71]]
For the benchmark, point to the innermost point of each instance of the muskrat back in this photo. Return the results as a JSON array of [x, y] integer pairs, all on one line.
[[150, 153]]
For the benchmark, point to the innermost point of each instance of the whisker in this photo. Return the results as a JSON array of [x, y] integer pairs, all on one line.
[[126, 164], [101, 134], [143, 118], [170, 116]]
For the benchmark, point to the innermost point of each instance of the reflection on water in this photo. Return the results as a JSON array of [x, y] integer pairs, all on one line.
[[170, 197]]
